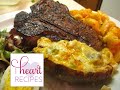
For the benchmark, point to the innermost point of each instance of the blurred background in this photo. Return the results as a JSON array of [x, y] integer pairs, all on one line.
[[108, 6], [111, 7]]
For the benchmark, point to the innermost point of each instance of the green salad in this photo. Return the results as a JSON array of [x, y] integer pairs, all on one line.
[[4, 54]]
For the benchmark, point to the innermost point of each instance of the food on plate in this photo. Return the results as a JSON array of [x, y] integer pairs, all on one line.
[[3, 67], [106, 28], [5, 83], [75, 61], [53, 20], [104, 87], [79, 46], [4, 54]]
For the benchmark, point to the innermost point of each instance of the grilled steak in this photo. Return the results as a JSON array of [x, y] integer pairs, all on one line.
[[53, 20]]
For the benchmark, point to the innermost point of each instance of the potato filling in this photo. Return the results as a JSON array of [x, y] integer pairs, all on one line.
[[75, 55]]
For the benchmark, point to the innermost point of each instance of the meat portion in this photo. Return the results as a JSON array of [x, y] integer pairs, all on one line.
[[53, 20]]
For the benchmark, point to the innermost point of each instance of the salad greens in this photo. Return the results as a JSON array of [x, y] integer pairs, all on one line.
[[4, 54], [32, 1]]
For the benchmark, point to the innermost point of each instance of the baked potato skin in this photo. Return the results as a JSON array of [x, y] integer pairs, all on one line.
[[73, 61], [73, 76]]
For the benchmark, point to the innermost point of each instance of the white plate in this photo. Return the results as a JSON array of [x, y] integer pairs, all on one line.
[[6, 21]]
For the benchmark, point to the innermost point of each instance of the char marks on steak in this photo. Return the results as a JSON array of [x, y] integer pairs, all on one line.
[[53, 20]]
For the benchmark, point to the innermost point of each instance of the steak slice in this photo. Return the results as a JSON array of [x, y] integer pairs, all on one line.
[[53, 20], [58, 15]]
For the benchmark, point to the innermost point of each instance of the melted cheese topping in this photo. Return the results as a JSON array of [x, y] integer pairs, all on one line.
[[75, 55]]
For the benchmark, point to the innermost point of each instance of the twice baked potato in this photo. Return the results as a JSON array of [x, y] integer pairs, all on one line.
[[74, 61]]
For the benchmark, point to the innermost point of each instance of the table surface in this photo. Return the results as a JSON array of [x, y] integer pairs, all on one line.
[[23, 4]]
